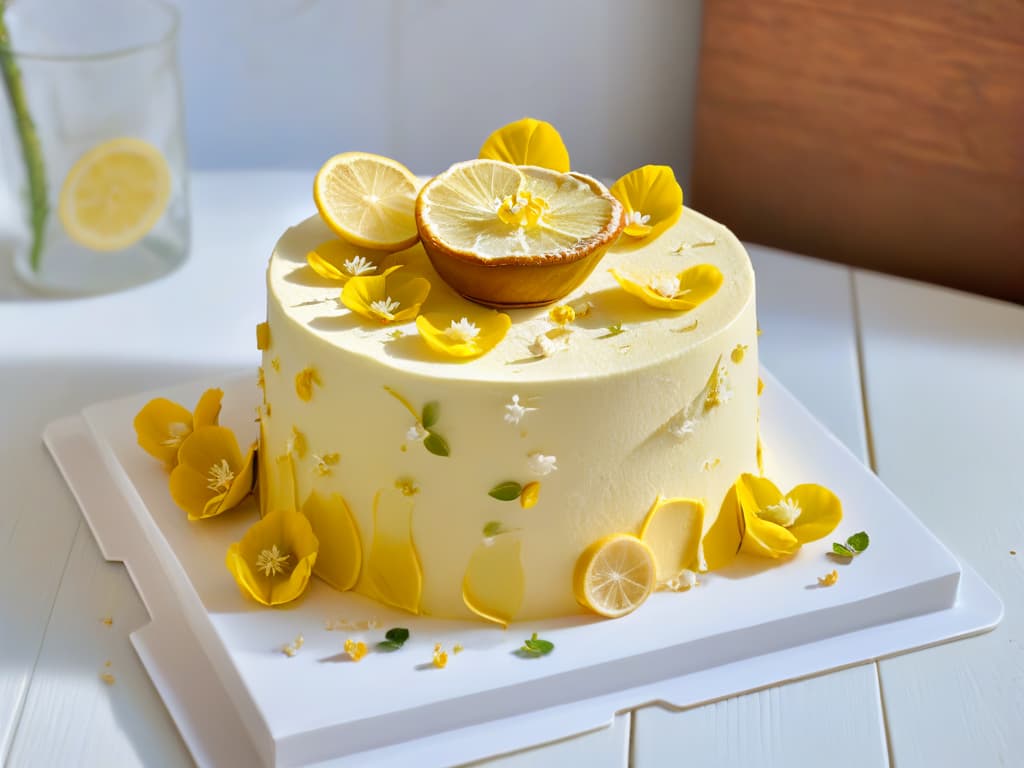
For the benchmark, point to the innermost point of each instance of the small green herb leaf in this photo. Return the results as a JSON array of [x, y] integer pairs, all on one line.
[[858, 542], [842, 551], [394, 639], [536, 647], [509, 491], [436, 444], [493, 528], [613, 330], [431, 412]]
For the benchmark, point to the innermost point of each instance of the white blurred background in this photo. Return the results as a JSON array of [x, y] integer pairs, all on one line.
[[287, 83]]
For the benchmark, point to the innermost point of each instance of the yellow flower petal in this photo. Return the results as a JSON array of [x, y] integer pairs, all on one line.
[[527, 142], [207, 411], [211, 476], [385, 299], [494, 583], [287, 533], [435, 329], [393, 567], [695, 286], [722, 541], [340, 261], [761, 537], [341, 554], [651, 191], [672, 530], [820, 512], [161, 427]]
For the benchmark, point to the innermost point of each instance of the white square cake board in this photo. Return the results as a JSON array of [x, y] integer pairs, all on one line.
[[215, 656]]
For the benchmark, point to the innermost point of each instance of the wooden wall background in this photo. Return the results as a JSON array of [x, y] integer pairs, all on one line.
[[883, 133]]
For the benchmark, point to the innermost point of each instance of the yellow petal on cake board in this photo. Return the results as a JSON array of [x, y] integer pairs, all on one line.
[[341, 552], [722, 541], [672, 529], [211, 476], [820, 512], [527, 142], [207, 412], [494, 583], [393, 567], [652, 198], [274, 559], [442, 334], [161, 426], [762, 537]]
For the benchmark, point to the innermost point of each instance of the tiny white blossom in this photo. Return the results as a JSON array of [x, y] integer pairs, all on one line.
[[359, 265], [514, 412], [582, 307], [785, 513], [541, 465], [385, 308], [681, 431], [416, 432], [686, 579], [462, 331], [635, 217], [542, 346], [488, 541], [665, 285]]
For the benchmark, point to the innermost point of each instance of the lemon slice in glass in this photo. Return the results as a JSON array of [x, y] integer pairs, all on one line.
[[614, 575], [114, 194], [508, 235], [368, 200]]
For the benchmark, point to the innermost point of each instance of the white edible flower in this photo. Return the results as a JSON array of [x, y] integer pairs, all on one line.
[[582, 307], [359, 265], [514, 412], [488, 541], [665, 285], [784, 513], [542, 346], [385, 307], [681, 431], [462, 331], [541, 465], [416, 432], [635, 217]]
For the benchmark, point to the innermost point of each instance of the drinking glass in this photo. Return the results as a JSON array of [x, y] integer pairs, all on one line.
[[83, 81]]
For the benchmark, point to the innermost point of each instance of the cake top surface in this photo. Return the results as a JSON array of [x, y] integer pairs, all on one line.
[[613, 333]]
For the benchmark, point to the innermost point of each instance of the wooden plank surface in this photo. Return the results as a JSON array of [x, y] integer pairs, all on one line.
[[833, 720], [944, 378], [877, 133]]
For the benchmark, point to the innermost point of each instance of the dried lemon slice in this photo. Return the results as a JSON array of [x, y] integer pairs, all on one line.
[[114, 194], [508, 235], [368, 200], [614, 575]]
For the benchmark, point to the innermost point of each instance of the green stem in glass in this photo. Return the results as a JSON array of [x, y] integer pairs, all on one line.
[[31, 149]]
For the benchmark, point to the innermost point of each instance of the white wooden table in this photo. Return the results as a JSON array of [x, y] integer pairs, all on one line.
[[925, 384]]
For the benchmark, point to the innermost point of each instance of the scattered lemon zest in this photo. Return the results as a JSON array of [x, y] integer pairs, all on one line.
[[457, 648], [276, 364], [407, 486], [304, 382], [828, 579], [262, 336], [710, 464], [293, 647], [440, 657], [356, 649], [530, 495], [107, 678], [562, 314], [324, 462], [108, 621], [297, 444], [760, 385], [738, 352]]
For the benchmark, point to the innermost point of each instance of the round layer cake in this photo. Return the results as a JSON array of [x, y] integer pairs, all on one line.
[[490, 476]]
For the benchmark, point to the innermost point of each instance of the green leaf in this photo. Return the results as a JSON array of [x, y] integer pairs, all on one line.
[[858, 542], [613, 330], [436, 444], [536, 647], [431, 412], [493, 528], [509, 491], [839, 549], [394, 639]]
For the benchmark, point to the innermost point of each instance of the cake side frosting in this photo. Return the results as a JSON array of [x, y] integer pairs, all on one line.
[[632, 404]]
